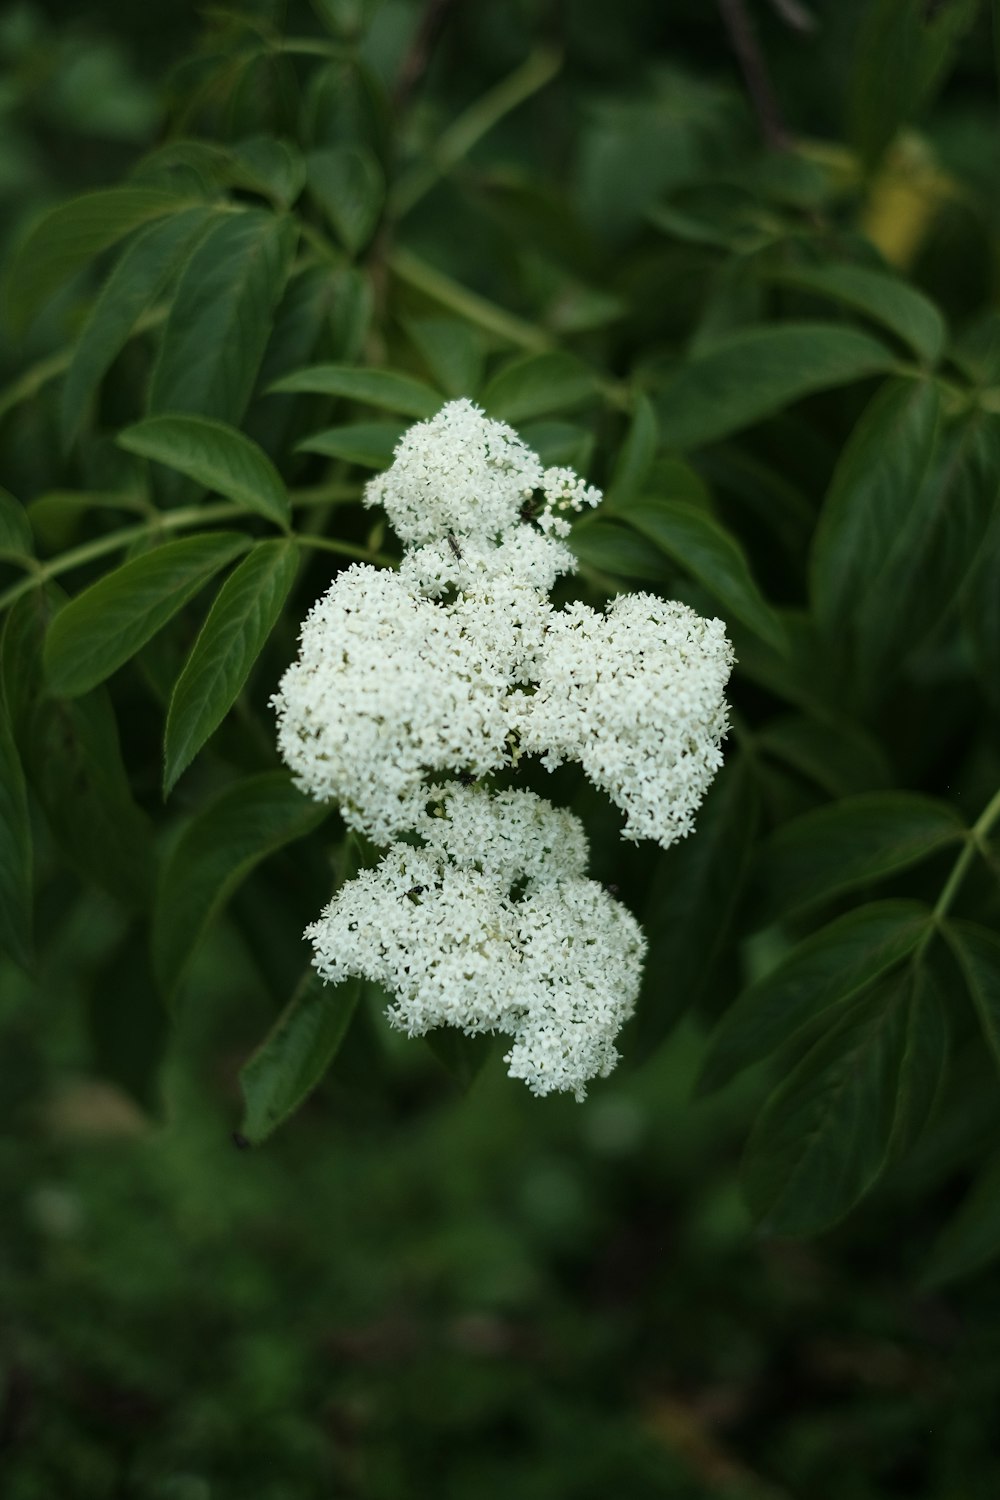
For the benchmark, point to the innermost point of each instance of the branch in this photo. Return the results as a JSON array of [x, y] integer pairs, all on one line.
[[755, 75]]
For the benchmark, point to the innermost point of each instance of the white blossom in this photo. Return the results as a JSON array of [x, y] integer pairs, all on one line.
[[490, 925], [459, 474], [636, 696]]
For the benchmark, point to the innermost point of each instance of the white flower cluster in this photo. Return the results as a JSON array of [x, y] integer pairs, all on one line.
[[491, 925], [458, 664]]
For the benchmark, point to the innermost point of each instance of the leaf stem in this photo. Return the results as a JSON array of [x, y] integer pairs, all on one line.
[[974, 844], [179, 520], [345, 549], [451, 294], [458, 140]]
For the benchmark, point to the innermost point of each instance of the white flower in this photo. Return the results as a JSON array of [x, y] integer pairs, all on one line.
[[389, 687], [636, 696], [491, 926], [458, 474]]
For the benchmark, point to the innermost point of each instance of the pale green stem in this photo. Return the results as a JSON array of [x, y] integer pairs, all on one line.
[[458, 140], [345, 549], [458, 299], [975, 844], [180, 520]]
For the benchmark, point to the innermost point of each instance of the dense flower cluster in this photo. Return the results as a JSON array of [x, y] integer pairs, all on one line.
[[480, 914], [491, 925]]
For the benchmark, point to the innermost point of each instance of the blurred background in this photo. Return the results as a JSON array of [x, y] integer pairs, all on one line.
[[417, 1288]]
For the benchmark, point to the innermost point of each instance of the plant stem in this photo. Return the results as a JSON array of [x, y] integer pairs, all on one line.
[[974, 845], [458, 140], [451, 294], [755, 75], [344, 549]]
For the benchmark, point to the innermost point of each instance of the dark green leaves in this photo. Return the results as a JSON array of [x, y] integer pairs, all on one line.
[[239, 622], [15, 848], [692, 538], [347, 184], [370, 444], [757, 372], [854, 843], [829, 968], [870, 496], [221, 316], [139, 276], [16, 536], [108, 623], [214, 854], [978, 954], [536, 384], [217, 456], [71, 235], [293, 1057], [885, 299], [387, 389], [827, 1131]]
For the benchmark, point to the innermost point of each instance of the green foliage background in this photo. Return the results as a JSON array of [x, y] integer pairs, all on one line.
[[242, 252]]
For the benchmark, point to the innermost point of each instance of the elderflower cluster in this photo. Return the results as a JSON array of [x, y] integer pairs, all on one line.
[[491, 925], [480, 914]]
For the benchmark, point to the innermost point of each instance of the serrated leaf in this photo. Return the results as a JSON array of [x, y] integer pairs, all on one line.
[[691, 537], [16, 537], [870, 494], [617, 551], [109, 622], [978, 953], [269, 166], [348, 185], [221, 316], [71, 235], [825, 1134], [369, 444], [636, 456], [856, 842], [242, 617], [215, 853], [217, 456], [692, 901], [755, 373], [828, 968], [971, 1240], [16, 859], [295, 1054], [885, 298], [535, 384], [387, 389], [137, 279], [452, 350]]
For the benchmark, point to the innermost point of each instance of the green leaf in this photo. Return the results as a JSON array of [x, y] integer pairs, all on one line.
[[464, 1057], [856, 842], [139, 276], [16, 536], [978, 953], [242, 617], [699, 882], [870, 495], [535, 384], [972, 1238], [829, 968], [108, 623], [758, 372], [616, 551], [636, 456], [903, 49], [452, 350], [560, 443], [221, 316], [72, 758], [295, 1054], [885, 298], [692, 538], [16, 866], [217, 457], [268, 166], [826, 1133], [835, 754], [347, 184], [71, 235], [387, 389], [370, 444], [214, 855]]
